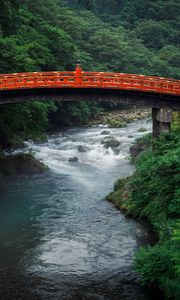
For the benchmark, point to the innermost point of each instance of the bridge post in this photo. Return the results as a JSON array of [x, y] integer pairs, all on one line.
[[78, 73], [162, 118]]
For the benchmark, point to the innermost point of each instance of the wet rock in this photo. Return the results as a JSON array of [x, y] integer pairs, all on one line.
[[82, 149], [136, 149], [111, 143], [105, 132], [133, 277], [73, 159], [130, 136], [142, 129], [108, 137], [107, 153], [20, 164], [119, 118], [116, 151], [116, 123], [57, 142]]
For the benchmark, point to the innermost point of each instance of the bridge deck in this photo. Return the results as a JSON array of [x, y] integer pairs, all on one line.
[[79, 79]]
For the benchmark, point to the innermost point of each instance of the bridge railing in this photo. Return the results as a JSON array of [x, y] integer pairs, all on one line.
[[132, 82], [80, 79]]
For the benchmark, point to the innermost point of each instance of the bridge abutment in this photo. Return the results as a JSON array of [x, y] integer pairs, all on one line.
[[162, 118]]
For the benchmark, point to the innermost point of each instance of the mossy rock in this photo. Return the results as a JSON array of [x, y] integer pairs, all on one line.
[[142, 129], [115, 123], [141, 144], [137, 149], [121, 197], [111, 143], [21, 164]]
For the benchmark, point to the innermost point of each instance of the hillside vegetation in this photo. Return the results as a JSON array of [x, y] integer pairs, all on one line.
[[121, 36], [153, 194]]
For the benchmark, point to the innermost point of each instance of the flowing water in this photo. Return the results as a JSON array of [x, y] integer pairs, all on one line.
[[59, 238]]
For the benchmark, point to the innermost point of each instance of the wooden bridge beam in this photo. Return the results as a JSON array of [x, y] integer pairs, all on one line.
[[162, 118]]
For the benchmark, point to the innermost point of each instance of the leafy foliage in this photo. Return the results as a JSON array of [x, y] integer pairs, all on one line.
[[160, 264], [69, 114], [28, 124], [155, 184], [153, 193]]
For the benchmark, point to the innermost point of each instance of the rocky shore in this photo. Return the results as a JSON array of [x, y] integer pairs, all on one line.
[[120, 118], [120, 197]]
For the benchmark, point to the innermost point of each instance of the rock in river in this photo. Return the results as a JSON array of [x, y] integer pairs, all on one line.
[[111, 143], [105, 132], [82, 149], [142, 129], [136, 149], [73, 159], [20, 164]]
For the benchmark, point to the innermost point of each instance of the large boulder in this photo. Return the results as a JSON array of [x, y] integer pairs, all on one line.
[[111, 143], [136, 149], [20, 164]]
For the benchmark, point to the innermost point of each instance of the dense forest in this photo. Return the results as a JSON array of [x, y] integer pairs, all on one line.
[[124, 36]]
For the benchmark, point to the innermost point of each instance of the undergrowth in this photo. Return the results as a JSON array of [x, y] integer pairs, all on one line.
[[153, 193]]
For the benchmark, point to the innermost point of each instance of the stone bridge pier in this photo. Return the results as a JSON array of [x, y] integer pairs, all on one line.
[[162, 118]]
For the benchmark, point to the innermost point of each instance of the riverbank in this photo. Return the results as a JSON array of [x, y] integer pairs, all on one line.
[[152, 193], [120, 118]]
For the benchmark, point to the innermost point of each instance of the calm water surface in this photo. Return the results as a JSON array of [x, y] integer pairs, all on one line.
[[59, 238]]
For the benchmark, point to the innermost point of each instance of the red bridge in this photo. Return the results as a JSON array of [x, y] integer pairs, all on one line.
[[80, 79], [156, 92]]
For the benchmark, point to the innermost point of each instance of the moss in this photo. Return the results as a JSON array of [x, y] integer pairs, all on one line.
[[116, 123], [20, 164], [147, 139], [15, 142], [176, 122], [142, 129], [121, 195], [110, 142]]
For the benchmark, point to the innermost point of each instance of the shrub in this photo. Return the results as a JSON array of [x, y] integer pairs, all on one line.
[[153, 193]]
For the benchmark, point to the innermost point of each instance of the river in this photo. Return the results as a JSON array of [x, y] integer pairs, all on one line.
[[59, 238]]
